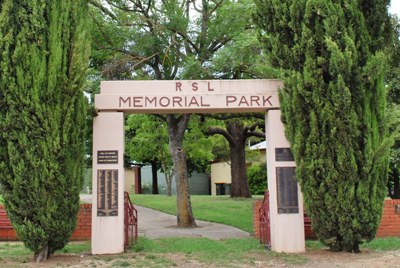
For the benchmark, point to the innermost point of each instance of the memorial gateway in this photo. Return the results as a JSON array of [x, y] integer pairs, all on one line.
[[189, 96]]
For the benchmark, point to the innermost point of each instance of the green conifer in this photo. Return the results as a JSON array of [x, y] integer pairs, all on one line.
[[43, 60], [333, 108]]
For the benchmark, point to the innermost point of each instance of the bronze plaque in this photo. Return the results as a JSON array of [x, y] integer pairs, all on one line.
[[107, 192], [287, 190], [107, 157], [283, 154]]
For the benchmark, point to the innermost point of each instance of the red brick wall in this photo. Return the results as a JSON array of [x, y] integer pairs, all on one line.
[[256, 218], [82, 232], [390, 223], [7, 234]]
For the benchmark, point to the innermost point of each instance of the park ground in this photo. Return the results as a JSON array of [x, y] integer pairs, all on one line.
[[198, 251], [139, 256]]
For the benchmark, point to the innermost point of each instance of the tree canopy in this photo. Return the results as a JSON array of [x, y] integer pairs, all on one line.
[[44, 53], [333, 108], [167, 40]]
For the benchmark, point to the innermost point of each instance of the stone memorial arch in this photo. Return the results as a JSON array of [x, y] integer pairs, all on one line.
[[189, 96]]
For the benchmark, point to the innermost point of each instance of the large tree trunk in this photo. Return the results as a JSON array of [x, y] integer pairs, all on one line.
[[239, 186], [176, 130], [42, 254], [155, 178]]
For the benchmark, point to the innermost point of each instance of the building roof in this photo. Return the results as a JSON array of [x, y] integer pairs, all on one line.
[[259, 146]]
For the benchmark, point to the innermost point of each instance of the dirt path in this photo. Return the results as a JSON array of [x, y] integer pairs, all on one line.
[[366, 259]]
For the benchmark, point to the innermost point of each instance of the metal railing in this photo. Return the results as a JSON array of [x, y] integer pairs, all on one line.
[[265, 230], [131, 222]]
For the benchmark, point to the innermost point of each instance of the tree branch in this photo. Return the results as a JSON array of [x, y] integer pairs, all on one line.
[[217, 5], [160, 117], [219, 44], [255, 134], [220, 131], [234, 116], [254, 126], [103, 9]]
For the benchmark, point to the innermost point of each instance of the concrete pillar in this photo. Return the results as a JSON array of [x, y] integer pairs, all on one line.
[[286, 215], [108, 183]]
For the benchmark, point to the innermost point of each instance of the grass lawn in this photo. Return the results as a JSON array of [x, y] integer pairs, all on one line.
[[236, 212], [378, 244], [165, 252], [203, 249], [17, 252], [198, 252]]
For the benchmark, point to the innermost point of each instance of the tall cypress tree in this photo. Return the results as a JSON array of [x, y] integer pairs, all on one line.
[[43, 59], [333, 108]]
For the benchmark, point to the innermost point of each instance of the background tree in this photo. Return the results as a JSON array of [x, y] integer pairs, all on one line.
[[393, 86], [147, 141], [258, 178], [333, 107], [145, 145], [167, 40], [236, 132], [44, 52]]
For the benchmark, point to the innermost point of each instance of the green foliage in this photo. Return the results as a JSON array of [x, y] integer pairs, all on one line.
[[333, 107], [147, 141], [44, 53], [198, 147], [169, 40], [177, 40], [393, 70], [258, 178], [393, 86]]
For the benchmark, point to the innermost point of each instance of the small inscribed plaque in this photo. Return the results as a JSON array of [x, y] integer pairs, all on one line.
[[283, 154], [107, 192], [287, 190], [107, 157]]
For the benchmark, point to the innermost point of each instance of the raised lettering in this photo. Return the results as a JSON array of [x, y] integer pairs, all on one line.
[[202, 103], [230, 99], [148, 101], [243, 100], [124, 101], [165, 104], [254, 99], [267, 99], [209, 87], [195, 86], [193, 101], [177, 101], [137, 101], [178, 86]]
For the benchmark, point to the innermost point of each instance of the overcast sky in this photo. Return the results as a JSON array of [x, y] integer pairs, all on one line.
[[395, 7]]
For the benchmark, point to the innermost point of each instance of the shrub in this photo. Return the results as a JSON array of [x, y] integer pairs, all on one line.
[[258, 178]]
